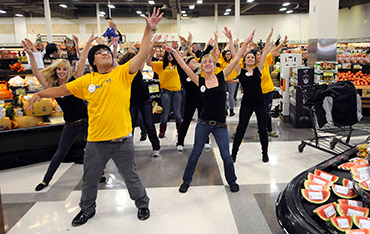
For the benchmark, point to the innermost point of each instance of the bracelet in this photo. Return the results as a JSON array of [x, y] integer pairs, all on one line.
[[155, 29]]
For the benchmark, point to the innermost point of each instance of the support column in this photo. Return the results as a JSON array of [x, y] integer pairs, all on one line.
[[49, 34], [178, 24], [237, 19], [323, 31], [216, 17], [20, 28], [98, 19]]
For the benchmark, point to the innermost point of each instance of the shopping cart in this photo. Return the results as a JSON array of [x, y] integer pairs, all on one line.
[[334, 136]]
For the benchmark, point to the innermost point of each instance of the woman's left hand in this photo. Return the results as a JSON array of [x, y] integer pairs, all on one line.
[[156, 17]]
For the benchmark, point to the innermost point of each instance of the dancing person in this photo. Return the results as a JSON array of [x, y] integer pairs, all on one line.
[[252, 101], [74, 109], [109, 134], [213, 116]]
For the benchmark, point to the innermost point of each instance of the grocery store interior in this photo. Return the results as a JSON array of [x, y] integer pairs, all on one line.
[[327, 52]]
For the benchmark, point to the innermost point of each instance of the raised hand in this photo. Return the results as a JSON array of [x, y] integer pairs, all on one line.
[[114, 41], [100, 41], [34, 98], [152, 22], [75, 38], [212, 42], [92, 37], [174, 44], [228, 34], [285, 40], [167, 48], [30, 44], [26, 47], [236, 42], [183, 40], [190, 38], [165, 38], [250, 38], [216, 34], [156, 38]]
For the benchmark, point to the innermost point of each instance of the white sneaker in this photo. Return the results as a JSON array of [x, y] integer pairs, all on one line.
[[180, 148], [156, 153], [207, 146]]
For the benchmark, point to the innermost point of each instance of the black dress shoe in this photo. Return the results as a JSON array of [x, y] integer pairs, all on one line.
[[143, 213], [102, 179], [81, 218], [234, 188], [142, 138], [41, 186], [184, 188]]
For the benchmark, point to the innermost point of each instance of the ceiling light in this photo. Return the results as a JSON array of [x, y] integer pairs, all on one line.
[[142, 15], [111, 6], [250, 0], [185, 15], [199, 1], [63, 5], [19, 15], [286, 4], [228, 10], [139, 12], [191, 7], [2, 11], [290, 11], [183, 12], [226, 13], [151, 2], [283, 9]]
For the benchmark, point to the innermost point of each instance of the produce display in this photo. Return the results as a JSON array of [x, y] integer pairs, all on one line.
[[358, 78]]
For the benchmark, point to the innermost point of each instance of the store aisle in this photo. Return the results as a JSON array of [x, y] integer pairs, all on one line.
[[208, 206]]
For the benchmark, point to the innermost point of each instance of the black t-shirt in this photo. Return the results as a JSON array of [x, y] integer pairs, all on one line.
[[251, 86], [73, 107], [139, 92], [155, 75], [192, 90], [214, 100]]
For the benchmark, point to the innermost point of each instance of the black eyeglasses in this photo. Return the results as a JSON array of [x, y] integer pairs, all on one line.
[[102, 52]]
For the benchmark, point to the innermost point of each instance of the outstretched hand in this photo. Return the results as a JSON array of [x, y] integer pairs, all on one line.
[[190, 38], [156, 17], [228, 34], [250, 38], [167, 48], [92, 37], [28, 46], [35, 98], [114, 41], [156, 38]]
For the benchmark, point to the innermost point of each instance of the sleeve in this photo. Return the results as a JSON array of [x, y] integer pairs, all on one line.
[[268, 60], [126, 72], [76, 87], [257, 71], [158, 67], [206, 51]]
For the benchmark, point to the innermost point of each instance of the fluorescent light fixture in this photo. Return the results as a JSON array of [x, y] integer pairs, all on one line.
[[228, 10], [191, 7], [142, 15], [63, 5], [2, 11], [250, 0], [226, 13], [151, 2], [286, 4], [183, 12], [199, 1], [290, 11], [111, 6], [19, 15], [185, 15], [283, 9], [139, 12], [102, 13]]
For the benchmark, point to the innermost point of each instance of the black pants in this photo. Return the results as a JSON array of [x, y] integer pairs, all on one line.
[[245, 114], [189, 109], [146, 112]]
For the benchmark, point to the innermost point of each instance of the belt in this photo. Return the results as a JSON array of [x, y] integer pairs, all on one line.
[[121, 138], [77, 122], [213, 123]]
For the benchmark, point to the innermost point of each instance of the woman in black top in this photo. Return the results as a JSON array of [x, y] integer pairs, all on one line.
[[74, 109], [252, 101], [213, 116]]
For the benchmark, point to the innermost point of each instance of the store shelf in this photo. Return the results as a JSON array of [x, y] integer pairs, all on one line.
[[7, 72]]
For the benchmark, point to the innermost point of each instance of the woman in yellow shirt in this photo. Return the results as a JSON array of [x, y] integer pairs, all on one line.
[[169, 81]]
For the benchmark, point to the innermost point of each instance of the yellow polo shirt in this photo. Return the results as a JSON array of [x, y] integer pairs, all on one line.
[[109, 102], [169, 77], [223, 65], [266, 84]]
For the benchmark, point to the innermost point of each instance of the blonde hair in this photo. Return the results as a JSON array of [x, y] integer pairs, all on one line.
[[50, 73], [207, 56]]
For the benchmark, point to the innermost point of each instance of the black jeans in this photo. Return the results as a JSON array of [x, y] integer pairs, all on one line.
[[190, 107], [268, 105], [146, 112], [244, 116], [69, 134]]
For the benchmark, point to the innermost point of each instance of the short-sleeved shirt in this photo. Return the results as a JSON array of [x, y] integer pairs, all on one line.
[[168, 77], [213, 100], [191, 89], [139, 92], [73, 108], [251, 84], [223, 65], [267, 84], [109, 102]]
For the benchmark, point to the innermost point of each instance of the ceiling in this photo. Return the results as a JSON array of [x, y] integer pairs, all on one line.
[[128, 8]]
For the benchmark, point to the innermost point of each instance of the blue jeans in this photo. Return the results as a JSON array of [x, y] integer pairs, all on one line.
[[231, 88], [69, 134], [147, 119], [221, 135], [171, 99], [268, 104]]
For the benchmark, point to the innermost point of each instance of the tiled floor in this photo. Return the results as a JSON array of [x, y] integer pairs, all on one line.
[[208, 206]]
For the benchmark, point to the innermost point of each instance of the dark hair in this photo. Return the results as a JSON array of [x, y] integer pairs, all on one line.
[[187, 61], [51, 48], [125, 58], [254, 52], [224, 55], [166, 61], [92, 52]]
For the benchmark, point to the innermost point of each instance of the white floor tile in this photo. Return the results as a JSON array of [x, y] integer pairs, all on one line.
[[24, 179], [201, 210]]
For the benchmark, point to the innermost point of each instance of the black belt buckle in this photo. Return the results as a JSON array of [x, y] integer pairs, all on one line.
[[118, 139], [212, 123]]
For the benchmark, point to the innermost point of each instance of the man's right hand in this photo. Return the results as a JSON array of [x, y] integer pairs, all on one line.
[[35, 98]]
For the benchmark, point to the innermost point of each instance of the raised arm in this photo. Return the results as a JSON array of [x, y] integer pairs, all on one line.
[[266, 50], [229, 36], [149, 59], [275, 51], [75, 38], [182, 63], [27, 45], [151, 23], [238, 55], [81, 63], [114, 41], [53, 92]]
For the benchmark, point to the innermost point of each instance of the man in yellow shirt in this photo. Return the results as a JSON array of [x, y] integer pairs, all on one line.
[[108, 92]]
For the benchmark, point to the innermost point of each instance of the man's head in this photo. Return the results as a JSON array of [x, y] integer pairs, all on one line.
[[52, 50], [194, 46], [100, 55]]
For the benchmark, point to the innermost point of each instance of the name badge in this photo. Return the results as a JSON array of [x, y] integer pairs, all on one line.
[[248, 74], [188, 79], [203, 88], [92, 88]]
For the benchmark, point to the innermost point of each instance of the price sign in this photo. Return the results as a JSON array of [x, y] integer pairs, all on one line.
[[351, 212], [315, 187], [318, 181], [326, 176], [341, 189], [20, 91], [315, 195], [363, 170], [153, 88], [364, 176], [329, 211], [350, 184], [343, 223], [355, 203], [364, 224]]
